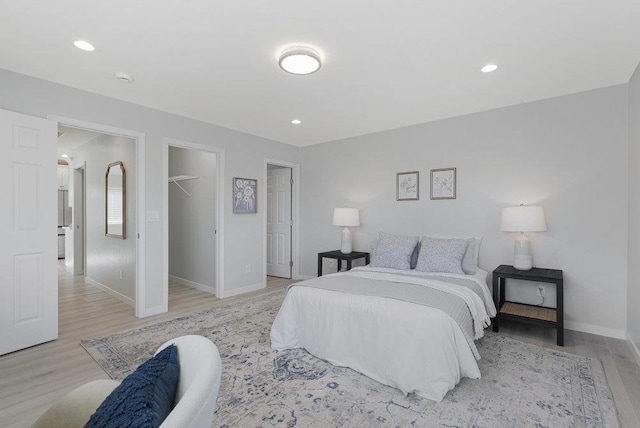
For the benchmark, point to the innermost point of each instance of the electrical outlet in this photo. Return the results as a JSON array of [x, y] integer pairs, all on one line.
[[541, 290], [247, 268], [120, 274]]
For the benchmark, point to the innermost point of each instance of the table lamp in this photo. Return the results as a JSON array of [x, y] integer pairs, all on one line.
[[523, 219], [347, 217]]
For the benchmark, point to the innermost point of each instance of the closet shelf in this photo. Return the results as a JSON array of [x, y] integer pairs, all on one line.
[[177, 178]]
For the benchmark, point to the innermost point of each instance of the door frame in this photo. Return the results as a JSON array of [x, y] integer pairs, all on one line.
[[295, 216], [219, 225], [139, 138]]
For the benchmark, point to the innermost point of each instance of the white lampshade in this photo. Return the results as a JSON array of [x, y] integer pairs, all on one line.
[[347, 217], [523, 219]]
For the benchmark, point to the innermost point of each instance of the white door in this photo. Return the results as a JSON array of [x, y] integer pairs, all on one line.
[[279, 222], [28, 238], [78, 221]]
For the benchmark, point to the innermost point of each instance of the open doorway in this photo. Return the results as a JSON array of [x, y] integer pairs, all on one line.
[[281, 229], [279, 221], [192, 212], [194, 175], [111, 263]]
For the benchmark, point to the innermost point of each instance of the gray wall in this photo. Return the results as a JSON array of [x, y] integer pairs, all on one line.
[[107, 256], [568, 154], [633, 293], [244, 157], [192, 218]]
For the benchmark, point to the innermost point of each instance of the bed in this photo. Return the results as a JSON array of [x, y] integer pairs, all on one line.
[[412, 330]]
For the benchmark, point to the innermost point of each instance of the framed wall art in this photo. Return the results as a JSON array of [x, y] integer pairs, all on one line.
[[407, 184], [443, 183], [245, 195]]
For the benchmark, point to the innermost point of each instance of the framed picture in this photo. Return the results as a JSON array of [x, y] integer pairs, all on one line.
[[245, 196], [443, 183], [407, 186]]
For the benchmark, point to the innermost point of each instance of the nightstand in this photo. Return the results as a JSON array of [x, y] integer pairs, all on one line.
[[553, 317], [339, 256]]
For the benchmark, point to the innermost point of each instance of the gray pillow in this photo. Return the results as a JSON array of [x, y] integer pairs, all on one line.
[[414, 255], [441, 255], [394, 251]]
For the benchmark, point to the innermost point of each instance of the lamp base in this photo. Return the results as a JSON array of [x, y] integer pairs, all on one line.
[[522, 263], [522, 259], [347, 246]]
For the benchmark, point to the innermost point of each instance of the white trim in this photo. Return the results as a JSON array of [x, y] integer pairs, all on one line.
[[128, 300], [245, 289], [295, 214], [219, 242], [192, 284], [140, 138], [634, 348], [595, 329]]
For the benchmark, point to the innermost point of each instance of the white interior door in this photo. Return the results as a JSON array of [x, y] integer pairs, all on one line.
[[279, 222], [28, 239], [78, 221]]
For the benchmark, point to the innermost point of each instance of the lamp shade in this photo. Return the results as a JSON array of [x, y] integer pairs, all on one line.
[[346, 217], [523, 219]]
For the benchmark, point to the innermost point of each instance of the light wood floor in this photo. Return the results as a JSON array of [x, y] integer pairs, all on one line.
[[31, 379]]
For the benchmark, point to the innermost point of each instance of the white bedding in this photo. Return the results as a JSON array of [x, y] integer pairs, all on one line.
[[411, 347]]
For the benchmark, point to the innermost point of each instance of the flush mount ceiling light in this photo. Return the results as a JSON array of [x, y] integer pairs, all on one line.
[[296, 121], [489, 68], [299, 60], [85, 46]]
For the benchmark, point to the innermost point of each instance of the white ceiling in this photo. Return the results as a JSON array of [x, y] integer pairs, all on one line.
[[387, 64]]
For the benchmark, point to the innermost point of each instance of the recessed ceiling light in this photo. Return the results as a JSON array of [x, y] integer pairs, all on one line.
[[489, 68], [64, 155], [85, 46], [299, 60], [296, 121]]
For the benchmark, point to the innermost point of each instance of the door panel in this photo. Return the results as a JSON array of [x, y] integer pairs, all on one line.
[[28, 249], [279, 222]]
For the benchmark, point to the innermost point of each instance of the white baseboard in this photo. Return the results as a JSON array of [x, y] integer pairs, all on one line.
[[595, 329], [147, 312], [129, 301], [192, 284], [634, 349], [303, 277], [245, 289]]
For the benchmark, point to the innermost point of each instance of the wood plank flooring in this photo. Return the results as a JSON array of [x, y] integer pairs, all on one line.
[[31, 379]]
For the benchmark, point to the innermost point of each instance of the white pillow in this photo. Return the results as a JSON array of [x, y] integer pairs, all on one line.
[[394, 251], [441, 255]]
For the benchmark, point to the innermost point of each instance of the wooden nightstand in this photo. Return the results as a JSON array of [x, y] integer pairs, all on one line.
[[339, 256], [529, 313]]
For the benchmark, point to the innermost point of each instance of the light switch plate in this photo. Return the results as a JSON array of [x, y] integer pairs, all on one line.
[[153, 215]]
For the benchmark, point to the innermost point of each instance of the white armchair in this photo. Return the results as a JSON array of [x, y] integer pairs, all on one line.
[[198, 386]]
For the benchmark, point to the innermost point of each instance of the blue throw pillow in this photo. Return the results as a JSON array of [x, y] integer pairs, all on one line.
[[144, 398]]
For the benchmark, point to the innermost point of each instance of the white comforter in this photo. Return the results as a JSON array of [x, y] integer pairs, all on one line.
[[412, 347]]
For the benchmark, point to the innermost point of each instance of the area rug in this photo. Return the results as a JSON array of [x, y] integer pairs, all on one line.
[[521, 385]]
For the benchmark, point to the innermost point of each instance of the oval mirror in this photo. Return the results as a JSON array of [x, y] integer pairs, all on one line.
[[115, 200]]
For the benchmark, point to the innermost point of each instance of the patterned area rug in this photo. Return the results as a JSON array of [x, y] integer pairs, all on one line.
[[521, 384]]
